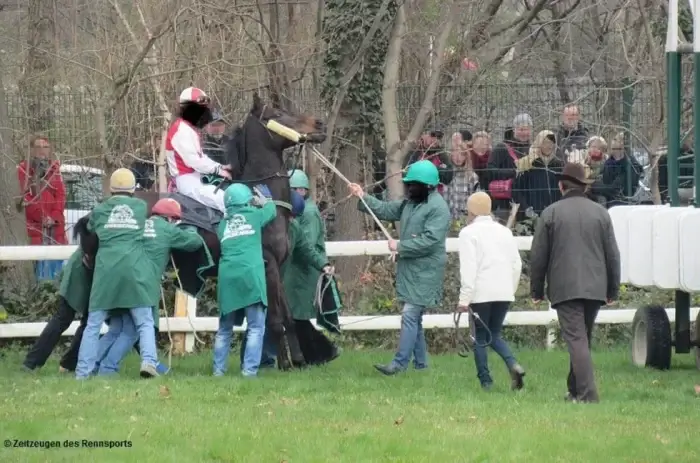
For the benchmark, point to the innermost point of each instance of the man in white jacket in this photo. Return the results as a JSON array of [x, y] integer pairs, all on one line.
[[183, 150], [490, 265]]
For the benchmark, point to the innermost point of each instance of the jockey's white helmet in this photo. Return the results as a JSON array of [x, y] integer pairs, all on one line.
[[193, 95]]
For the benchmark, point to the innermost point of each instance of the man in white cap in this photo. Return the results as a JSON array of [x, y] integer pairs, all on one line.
[[183, 149]]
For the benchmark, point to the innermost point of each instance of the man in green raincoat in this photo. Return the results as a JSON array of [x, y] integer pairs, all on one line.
[[421, 256], [123, 275], [302, 270], [241, 284], [74, 294], [162, 236]]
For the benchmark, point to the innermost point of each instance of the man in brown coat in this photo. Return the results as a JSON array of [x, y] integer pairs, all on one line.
[[575, 251]]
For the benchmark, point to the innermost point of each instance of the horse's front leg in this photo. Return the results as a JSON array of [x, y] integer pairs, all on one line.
[[290, 332], [275, 322]]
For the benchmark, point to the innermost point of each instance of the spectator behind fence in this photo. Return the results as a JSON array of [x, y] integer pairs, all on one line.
[[615, 183], [430, 147], [594, 161], [44, 201], [574, 250], [215, 138], [572, 134], [502, 163], [464, 180], [537, 185], [479, 155], [489, 267], [144, 166]]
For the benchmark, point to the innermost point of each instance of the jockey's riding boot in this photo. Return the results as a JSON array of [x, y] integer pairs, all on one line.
[[516, 377], [148, 371], [388, 370]]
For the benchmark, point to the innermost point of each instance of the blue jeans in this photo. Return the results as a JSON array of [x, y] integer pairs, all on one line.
[[114, 348], [88, 355], [255, 319], [492, 315], [411, 339]]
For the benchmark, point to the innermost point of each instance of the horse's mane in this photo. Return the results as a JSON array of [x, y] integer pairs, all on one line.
[[235, 150]]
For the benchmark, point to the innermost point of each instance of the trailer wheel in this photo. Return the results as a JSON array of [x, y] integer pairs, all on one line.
[[651, 338]]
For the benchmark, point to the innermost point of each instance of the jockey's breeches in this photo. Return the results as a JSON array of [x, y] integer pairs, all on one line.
[[191, 185]]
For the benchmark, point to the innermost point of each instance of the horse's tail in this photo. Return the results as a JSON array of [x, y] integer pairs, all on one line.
[[88, 240]]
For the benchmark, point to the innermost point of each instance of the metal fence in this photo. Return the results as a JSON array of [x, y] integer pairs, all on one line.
[[71, 116]]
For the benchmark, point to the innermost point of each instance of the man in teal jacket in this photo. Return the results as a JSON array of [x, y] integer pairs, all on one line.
[[421, 256]]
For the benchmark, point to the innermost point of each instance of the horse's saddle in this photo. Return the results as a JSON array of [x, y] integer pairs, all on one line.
[[201, 216], [197, 214]]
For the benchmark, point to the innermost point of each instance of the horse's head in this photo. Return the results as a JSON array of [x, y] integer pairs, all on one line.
[[313, 128]]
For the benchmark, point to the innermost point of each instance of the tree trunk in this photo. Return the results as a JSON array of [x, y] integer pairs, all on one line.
[[390, 111], [38, 79], [349, 222], [13, 231]]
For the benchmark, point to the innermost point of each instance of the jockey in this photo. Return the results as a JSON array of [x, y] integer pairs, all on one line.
[[242, 286], [161, 237], [122, 276], [183, 149]]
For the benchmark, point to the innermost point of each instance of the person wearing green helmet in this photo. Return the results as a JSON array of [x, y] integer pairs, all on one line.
[[241, 288], [421, 256], [301, 276]]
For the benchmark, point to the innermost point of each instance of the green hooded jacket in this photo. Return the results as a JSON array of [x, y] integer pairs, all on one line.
[[422, 255], [307, 257], [241, 266], [123, 276], [160, 238], [76, 282]]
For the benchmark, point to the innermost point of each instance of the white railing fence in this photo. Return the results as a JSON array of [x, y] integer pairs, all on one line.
[[193, 323]]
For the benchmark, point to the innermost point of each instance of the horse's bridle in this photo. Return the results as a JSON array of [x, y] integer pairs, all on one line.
[[283, 174]]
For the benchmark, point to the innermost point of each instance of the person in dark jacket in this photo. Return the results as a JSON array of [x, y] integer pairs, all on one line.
[[501, 165], [537, 185], [686, 167], [74, 294], [574, 250], [572, 134], [615, 185], [215, 139], [430, 147]]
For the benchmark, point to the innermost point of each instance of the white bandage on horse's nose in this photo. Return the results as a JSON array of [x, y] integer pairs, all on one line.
[[284, 131]]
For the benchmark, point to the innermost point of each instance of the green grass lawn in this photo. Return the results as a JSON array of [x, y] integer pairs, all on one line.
[[348, 412]]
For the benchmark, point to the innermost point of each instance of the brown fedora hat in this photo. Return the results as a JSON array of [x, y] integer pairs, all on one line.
[[576, 173]]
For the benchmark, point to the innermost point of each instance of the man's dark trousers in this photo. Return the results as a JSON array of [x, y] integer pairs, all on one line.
[[61, 320], [576, 319]]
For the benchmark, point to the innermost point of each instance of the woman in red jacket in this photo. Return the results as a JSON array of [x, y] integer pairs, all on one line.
[[44, 200]]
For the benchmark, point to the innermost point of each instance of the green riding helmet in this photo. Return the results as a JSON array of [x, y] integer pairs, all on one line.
[[298, 179], [237, 194], [423, 172]]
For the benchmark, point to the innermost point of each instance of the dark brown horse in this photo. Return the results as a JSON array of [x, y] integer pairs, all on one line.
[[256, 157]]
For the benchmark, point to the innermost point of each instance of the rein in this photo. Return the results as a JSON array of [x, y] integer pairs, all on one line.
[[465, 345]]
